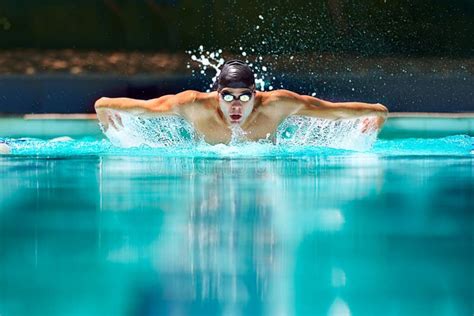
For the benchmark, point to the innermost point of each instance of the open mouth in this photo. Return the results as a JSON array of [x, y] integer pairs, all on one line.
[[235, 117]]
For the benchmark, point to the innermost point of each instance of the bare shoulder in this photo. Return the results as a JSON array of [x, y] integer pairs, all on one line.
[[207, 98], [185, 98], [278, 95], [192, 96]]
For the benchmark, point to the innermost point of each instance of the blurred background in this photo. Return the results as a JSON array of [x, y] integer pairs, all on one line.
[[59, 56]]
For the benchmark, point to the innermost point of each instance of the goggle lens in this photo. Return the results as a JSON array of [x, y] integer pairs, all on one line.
[[228, 97], [243, 97]]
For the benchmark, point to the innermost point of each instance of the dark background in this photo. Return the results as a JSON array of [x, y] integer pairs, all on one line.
[[411, 55], [368, 27]]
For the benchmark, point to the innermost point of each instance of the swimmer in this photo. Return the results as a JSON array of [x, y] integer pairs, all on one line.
[[236, 102]]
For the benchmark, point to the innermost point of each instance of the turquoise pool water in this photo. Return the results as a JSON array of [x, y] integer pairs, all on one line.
[[90, 229]]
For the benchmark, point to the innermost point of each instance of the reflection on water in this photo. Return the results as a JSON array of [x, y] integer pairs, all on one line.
[[340, 235]]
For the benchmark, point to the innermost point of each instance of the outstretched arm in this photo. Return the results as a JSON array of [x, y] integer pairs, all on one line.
[[165, 105], [310, 106]]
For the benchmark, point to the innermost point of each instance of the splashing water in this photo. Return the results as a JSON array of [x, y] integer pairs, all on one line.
[[169, 131], [460, 145], [309, 131], [238, 135], [206, 60], [294, 131], [160, 131]]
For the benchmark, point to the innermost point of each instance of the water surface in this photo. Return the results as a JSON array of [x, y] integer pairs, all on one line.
[[90, 229]]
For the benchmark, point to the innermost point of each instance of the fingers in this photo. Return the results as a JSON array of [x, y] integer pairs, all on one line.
[[118, 119], [380, 120], [365, 125], [369, 124], [109, 118], [102, 116], [115, 120]]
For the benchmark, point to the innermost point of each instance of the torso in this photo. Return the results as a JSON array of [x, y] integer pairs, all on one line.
[[210, 124]]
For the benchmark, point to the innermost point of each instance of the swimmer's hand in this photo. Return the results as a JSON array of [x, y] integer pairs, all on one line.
[[109, 118], [372, 124], [108, 110]]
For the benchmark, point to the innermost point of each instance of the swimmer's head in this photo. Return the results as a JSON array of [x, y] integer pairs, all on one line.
[[236, 91], [235, 74]]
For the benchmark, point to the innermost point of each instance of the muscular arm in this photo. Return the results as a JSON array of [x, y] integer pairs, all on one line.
[[165, 105], [296, 104]]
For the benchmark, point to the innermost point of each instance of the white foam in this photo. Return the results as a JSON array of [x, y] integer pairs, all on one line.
[[311, 131], [61, 139], [159, 131], [339, 308], [169, 131], [4, 149], [238, 135]]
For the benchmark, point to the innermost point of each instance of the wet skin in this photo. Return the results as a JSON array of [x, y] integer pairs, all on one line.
[[212, 117]]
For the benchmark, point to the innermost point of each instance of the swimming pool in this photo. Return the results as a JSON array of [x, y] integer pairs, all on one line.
[[90, 229]]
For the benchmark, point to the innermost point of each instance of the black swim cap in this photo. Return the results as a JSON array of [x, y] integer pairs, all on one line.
[[235, 74]]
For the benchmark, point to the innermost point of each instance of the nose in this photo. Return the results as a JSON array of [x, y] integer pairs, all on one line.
[[235, 106]]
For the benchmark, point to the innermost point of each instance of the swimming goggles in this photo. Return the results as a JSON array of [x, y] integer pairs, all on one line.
[[244, 97]]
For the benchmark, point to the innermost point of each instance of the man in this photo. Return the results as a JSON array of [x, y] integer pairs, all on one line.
[[236, 102]]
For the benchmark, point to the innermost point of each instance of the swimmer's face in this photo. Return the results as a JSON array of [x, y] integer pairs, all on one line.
[[236, 103]]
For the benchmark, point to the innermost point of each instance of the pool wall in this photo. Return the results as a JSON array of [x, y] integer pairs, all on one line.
[[63, 93], [399, 125]]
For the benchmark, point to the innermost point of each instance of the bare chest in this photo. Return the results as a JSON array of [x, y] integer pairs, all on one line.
[[214, 130]]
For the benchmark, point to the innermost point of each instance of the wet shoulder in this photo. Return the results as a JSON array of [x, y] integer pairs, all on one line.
[[203, 98], [276, 96]]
